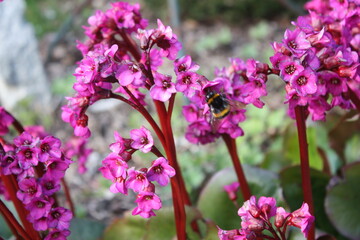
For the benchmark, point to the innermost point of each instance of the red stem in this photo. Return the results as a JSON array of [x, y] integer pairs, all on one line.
[[300, 114], [15, 226], [231, 146], [68, 196]]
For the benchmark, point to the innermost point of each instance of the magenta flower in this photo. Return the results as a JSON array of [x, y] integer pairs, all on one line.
[[25, 139], [120, 145], [50, 147], [40, 224], [296, 42], [137, 180], [160, 171], [227, 234], [187, 83], [28, 190], [302, 219], [116, 164], [28, 156], [163, 88], [231, 190], [166, 40], [290, 69], [119, 185], [38, 208], [60, 218], [280, 217], [185, 64], [55, 234], [49, 184], [10, 164], [305, 82], [147, 201], [5, 121], [56, 167], [129, 73], [142, 139]]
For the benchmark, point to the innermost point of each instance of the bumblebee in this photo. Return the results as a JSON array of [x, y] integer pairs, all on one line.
[[218, 104]]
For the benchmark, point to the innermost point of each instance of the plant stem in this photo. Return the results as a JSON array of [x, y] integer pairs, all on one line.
[[231, 146], [304, 162], [15, 226], [68, 196]]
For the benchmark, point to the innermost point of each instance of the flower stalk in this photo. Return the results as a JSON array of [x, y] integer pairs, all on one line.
[[231, 146], [304, 163]]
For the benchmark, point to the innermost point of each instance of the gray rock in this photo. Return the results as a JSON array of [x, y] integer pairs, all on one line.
[[21, 70]]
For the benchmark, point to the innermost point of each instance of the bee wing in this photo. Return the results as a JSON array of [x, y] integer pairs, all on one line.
[[236, 105]]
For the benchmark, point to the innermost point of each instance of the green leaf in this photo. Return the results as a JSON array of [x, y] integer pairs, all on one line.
[[291, 147], [86, 229], [215, 204], [290, 181], [342, 202], [128, 227]]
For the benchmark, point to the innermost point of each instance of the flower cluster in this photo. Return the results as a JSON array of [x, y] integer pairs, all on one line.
[[319, 59], [256, 217], [35, 158], [113, 65], [240, 84], [115, 168]]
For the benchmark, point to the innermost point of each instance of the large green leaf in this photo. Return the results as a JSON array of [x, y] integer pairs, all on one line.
[[216, 206], [342, 202], [86, 229], [291, 147], [290, 181], [128, 227]]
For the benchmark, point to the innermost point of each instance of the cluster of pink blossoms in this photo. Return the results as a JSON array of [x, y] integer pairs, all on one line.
[[113, 65], [38, 163], [115, 168], [319, 59], [241, 83], [262, 215]]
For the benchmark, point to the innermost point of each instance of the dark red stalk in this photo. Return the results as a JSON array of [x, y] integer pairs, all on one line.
[[144, 112], [68, 196], [355, 99], [15, 226], [231, 146], [304, 163]]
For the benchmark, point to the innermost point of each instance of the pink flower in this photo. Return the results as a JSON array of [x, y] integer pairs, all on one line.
[[302, 219], [187, 83], [129, 73], [147, 201], [50, 147], [137, 180], [142, 139], [38, 208], [28, 156], [160, 171], [163, 87], [116, 164], [296, 42], [60, 218], [185, 64], [56, 234], [28, 190], [49, 184], [227, 234], [305, 82], [231, 190]]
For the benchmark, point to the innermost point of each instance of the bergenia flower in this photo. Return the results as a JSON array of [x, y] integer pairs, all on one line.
[[142, 139], [5, 121], [302, 219], [160, 171], [163, 87], [147, 202]]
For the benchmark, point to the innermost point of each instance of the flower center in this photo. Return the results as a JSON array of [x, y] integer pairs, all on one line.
[[335, 81], [40, 204], [301, 81], [49, 185], [158, 169], [56, 215], [292, 44], [45, 147], [290, 69], [166, 84], [182, 67], [28, 154], [186, 80]]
